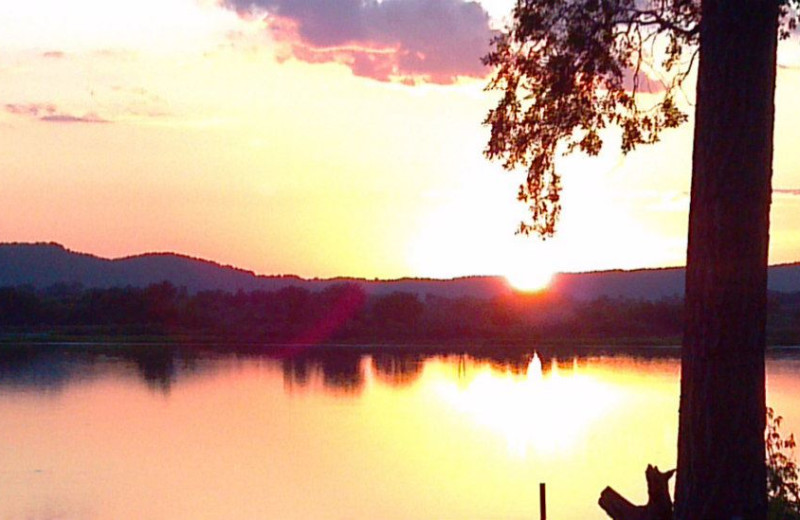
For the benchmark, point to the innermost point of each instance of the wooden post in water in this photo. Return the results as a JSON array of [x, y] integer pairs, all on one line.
[[542, 502]]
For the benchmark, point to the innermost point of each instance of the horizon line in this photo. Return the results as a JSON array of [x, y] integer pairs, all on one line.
[[343, 276]]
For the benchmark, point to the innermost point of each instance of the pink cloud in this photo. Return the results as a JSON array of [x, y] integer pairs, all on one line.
[[56, 55], [393, 40], [49, 113]]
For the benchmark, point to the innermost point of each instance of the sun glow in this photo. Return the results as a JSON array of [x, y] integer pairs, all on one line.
[[529, 276], [530, 280], [530, 264], [547, 412]]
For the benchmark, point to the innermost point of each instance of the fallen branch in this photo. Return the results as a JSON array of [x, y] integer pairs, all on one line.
[[659, 502]]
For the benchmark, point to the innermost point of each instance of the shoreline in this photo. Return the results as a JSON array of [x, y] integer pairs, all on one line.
[[454, 346]]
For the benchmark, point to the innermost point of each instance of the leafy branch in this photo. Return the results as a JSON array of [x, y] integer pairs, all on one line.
[[566, 70], [783, 489]]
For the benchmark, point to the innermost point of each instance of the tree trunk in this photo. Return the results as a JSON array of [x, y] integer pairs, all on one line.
[[721, 471]]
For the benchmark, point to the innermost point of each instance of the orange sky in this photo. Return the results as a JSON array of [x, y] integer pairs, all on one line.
[[191, 126]]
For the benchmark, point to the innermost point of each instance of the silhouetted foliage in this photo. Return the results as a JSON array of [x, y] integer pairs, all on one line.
[[399, 310], [783, 487], [344, 313], [568, 70]]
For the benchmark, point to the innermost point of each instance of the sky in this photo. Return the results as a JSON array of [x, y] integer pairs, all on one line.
[[316, 137]]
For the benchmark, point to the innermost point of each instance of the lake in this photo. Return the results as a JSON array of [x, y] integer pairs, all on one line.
[[106, 432]]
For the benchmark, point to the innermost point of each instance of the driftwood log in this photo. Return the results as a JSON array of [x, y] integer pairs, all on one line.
[[659, 502]]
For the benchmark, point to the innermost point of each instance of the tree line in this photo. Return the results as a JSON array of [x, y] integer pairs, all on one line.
[[346, 313]]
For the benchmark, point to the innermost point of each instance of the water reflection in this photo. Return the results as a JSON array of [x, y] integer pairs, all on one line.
[[341, 373], [342, 370], [42, 369], [54, 367], [349, 371], [538, 409], [104, 431], [397, 370]]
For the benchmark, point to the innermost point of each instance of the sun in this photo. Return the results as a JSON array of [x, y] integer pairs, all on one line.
[[529, 276]]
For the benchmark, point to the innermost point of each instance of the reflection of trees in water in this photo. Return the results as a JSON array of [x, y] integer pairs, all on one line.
[[24, 366], [397, 370], [344, 369], [53, 367], [156, 367], [341, 370], [295, 372], [337, 369]]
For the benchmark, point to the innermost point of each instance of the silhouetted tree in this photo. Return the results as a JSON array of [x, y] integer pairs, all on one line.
[[294, 309], [398, 313], [566, 70], [20, 306]]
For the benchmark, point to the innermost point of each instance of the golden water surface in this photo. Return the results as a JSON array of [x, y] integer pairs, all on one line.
[[340, 435]]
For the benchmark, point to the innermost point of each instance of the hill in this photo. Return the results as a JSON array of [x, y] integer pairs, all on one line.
[[42, 265], [45, 264]]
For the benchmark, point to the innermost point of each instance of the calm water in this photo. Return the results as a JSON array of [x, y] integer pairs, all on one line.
[[104, 433]]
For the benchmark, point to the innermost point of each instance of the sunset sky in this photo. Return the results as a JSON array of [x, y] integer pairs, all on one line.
[[315, 137]]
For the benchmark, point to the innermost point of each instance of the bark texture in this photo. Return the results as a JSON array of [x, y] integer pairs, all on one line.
[[721, 471]]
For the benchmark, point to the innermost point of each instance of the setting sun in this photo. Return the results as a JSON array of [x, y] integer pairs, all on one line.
[[530, 277]]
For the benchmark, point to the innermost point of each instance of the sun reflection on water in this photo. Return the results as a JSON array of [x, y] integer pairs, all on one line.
[[546, 412]]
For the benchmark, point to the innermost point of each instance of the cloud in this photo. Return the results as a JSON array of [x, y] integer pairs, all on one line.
[[787, 192], [392, 40], [30, 109], [66, 118], [49, 113], [55, 55]]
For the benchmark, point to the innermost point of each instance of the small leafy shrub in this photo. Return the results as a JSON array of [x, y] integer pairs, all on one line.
[[783, 489]]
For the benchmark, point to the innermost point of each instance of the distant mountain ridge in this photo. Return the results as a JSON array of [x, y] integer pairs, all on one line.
[[44, 264]]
